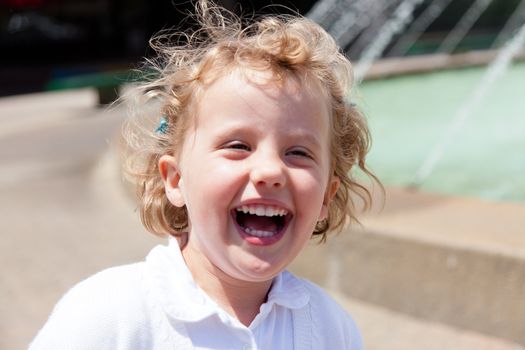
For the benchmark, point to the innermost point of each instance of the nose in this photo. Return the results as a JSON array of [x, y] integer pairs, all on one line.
[[268, 171]]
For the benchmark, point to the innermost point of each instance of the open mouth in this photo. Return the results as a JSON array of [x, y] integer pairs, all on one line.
[[261, 221]]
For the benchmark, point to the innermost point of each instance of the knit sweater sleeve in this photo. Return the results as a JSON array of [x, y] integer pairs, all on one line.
[[103, 312]]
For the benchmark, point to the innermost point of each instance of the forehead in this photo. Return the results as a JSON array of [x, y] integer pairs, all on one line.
[[262, 88]]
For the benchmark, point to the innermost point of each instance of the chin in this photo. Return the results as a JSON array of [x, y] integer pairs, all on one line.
[[260, 271]]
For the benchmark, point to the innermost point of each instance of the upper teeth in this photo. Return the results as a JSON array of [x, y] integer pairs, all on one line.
[[262, 210]]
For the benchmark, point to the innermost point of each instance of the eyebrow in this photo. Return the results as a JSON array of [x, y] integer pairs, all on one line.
[[309, 137], [233, 128]]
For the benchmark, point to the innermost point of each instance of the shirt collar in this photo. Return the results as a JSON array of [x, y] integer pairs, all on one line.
[[287, 291], [182, 299], [173, 284]]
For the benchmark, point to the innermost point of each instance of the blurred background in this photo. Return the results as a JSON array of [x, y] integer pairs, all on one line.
[[45, 41], [441, 265]]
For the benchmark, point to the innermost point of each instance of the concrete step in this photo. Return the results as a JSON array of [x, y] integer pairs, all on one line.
[[450, 260], [383, 329]]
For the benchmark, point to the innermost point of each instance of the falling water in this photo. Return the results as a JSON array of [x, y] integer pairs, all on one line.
[[343, 25], [512, 24], [463, 26], [419, 26], [401, 16], [352, 21], [494, 71], [323, 11], [373, 24]]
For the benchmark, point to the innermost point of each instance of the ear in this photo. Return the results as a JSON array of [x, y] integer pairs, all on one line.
[[171, 176], [331, 190]]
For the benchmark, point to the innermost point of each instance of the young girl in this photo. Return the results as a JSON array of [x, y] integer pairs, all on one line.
[[251, 159]]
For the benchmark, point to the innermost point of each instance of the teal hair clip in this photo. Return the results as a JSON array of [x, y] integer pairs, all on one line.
[[163, 126]]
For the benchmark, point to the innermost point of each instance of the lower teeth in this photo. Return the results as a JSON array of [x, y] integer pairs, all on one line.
[[258, 233]]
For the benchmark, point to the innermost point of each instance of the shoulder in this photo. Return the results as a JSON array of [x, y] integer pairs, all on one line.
[[96, 311], [106, 292], [332, 326]]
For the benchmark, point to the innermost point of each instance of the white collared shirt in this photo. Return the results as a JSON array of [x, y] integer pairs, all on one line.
[[157, 305]]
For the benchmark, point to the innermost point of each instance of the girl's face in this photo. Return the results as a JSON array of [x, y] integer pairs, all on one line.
[[254, 174]]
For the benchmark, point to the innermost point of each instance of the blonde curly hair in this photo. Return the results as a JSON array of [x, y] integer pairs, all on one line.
[[287, 46]]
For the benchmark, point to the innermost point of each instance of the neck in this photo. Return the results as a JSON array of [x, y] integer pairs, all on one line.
[[241, 299]]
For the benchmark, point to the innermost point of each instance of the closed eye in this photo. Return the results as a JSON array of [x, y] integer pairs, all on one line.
[[237, 145], [300, 153]]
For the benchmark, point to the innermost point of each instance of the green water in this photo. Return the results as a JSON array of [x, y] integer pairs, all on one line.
[[408, 115]]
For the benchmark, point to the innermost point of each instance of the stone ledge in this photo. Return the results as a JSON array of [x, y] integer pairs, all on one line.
[[391, 67], [384, 329], [457, 261]]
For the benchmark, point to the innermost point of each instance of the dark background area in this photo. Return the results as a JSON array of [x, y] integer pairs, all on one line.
[[56, 44], [44, 43]]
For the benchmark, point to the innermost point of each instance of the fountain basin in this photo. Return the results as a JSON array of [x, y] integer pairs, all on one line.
[[408, 114]]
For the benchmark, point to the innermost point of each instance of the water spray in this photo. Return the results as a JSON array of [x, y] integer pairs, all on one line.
[[496, 69], [512, 24], [399, 20], [418, 27], [463, 26]]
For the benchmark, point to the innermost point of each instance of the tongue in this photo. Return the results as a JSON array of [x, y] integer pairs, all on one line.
[[260, 223]]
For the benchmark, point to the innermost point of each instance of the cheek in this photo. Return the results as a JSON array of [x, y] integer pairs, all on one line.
[[312, 187], [229, 170], [212, 184]]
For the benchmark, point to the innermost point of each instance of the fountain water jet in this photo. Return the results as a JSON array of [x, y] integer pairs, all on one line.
[[371, 25], [497, 68], [418, 27], [400, 18], [463, 26], [512, 24], [323, 11], [353, 21]]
